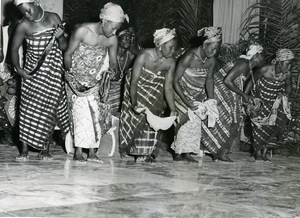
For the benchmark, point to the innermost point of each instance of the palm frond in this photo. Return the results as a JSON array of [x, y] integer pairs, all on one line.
[[274, 24]]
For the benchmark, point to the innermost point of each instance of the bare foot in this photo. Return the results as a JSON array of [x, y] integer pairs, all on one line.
[[189, 158], [264, 156], [150, 159], [258, 155], [225, 158], [22, 157], [45, 156], [179, 158], [212, 156], [94, 158], [139, 159], [79, 158]]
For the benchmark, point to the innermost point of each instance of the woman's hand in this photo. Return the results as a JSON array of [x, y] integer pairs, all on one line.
[[174, 113], [24, 74], [59, 31], [192, 106], [69, 75], [247, 98]]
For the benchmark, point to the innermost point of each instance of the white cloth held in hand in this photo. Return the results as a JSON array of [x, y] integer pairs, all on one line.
[[208, 109], [157, 122]]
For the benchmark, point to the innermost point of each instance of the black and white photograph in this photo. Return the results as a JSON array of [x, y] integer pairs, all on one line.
[[150, 108]]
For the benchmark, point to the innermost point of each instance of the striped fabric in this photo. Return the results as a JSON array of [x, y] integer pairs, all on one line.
[[43, 100], [267, 90], [229, 105], [193, 84], [114, 96], [89, 111], [136, 137]]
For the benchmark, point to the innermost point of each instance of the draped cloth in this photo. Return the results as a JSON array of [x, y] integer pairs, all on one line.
[[43, 100], [87, 95], [273, 111], [214, 139], [136, 136], [115, 96]]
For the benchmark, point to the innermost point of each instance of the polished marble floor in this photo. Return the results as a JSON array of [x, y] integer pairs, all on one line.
[[122, 188]]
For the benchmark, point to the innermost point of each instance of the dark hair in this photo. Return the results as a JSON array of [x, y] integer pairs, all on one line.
[[11, 14]]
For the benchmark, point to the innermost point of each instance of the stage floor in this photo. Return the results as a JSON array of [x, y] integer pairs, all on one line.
[[122, 188]]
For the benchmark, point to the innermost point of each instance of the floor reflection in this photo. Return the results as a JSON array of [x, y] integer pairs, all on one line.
[[121, 188]]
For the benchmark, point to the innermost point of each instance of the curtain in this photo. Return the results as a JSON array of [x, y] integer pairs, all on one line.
[[229, 14]]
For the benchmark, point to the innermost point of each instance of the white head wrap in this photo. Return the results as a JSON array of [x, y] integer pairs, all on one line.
[[252, 50], [18, 2], [284, 55], [163, 35], [113, 12], [213, 34]]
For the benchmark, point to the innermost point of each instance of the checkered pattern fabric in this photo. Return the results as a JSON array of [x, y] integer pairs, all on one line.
[[136, 137], [43, 100]]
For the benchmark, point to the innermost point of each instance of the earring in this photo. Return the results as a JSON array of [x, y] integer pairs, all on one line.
[[159, 48]]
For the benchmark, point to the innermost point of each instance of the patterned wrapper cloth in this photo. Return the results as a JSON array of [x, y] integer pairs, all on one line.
[[87, 94], [136, 136], [267, 91], [214, 139], [43, 99]]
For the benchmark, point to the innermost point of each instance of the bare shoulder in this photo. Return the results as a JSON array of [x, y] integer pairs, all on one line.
[[145, 53], [23, 24], [53, 17], [212, 61], [83, 29], [187, 57], [241, 62], [113, 40], [171, 61], [265, 69]]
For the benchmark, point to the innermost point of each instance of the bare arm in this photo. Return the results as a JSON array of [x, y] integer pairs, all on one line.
[[136, 72], [235, 72], [209, 82], [112, 51], [59, 33], [182, 65], [169, 92], [17, 41], [256, 74], [288, 84], [75, 40]]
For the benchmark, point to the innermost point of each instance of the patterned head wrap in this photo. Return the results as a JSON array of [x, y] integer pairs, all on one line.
[[252, 50], [113, 12], [213, 34], [124, 33], [284, 55], [163, 35], [18, 2]]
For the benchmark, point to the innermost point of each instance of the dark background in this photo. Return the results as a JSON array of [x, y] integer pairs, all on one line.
[[186, 16]]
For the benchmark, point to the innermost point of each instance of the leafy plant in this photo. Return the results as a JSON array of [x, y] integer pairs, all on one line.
[[193, 15], [274, 24]]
